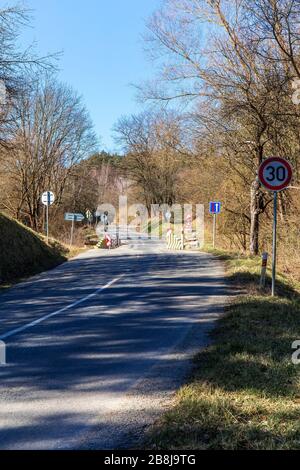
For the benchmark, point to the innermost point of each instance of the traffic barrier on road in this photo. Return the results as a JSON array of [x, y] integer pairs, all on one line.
[[191, 240], [108, 242], [174, 242], [101, 244]]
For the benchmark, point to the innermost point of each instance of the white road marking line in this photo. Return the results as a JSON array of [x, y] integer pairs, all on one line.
[[50, 315]]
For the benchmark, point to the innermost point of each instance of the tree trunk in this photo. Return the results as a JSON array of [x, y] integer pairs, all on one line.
[[254, 211]]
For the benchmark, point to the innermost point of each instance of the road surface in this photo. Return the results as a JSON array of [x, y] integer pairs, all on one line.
[[97, 346]]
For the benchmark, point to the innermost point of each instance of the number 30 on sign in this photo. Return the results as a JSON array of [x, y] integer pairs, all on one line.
[[275, 174]]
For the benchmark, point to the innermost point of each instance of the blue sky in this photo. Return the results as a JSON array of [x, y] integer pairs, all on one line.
[[102, 52]]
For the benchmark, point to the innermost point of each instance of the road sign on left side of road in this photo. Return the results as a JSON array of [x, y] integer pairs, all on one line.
[[215, 207], [79, 217], [48, 198], [74, 217]]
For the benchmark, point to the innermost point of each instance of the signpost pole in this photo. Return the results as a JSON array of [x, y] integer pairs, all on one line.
[[274, 245], [44, 219], [214, 231], [47, 200], [214, 209], [72, 231], [47, 222]]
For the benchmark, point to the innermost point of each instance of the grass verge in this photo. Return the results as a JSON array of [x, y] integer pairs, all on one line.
[[244, 392], [25, 252]]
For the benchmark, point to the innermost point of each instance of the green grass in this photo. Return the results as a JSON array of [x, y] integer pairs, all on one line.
[[244, 392], [24, 252]]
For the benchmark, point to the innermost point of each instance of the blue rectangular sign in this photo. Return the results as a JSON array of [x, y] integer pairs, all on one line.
[[215, 207]]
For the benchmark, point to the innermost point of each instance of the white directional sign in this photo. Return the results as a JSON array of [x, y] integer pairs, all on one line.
[[275, 174], [74, 217], [48, 198]]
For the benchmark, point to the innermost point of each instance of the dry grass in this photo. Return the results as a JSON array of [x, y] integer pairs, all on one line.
[[245, 391], [25, 253]]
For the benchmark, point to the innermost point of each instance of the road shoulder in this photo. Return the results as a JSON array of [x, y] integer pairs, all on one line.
[[244, 390]]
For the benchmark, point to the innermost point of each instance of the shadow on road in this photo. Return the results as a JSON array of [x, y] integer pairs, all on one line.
[[102, 347]]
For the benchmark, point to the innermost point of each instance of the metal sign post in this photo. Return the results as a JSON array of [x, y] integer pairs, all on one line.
[[47, 212], [47, 199], [274, 256], [47, 222], [214, 209], [275, 174], [214, 231], [72, 232]]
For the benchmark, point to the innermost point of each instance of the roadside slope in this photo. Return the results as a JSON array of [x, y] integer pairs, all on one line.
[[24, 252]]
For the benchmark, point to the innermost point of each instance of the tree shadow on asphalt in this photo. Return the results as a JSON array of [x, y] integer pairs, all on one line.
[[118, 336]]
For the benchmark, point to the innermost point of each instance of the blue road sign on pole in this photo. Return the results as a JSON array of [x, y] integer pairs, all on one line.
[[214, 207]]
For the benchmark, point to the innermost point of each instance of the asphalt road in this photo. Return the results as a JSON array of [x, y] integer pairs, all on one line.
[[97, 346]]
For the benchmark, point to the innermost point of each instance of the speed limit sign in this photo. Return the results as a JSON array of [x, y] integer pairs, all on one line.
[[275, 174]]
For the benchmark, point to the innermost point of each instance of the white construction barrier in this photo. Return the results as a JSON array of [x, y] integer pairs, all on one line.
[[174, 242]]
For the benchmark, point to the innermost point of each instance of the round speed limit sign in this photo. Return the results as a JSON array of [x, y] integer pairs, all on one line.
[[275, 174]]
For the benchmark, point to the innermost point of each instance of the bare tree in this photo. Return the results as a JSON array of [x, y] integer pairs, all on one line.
[[153, 154], [52, 132], [238, 76], [93, 182], [16, 65], [274, 29]]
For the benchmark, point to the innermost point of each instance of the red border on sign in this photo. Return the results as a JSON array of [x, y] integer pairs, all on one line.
[[266, 163]]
